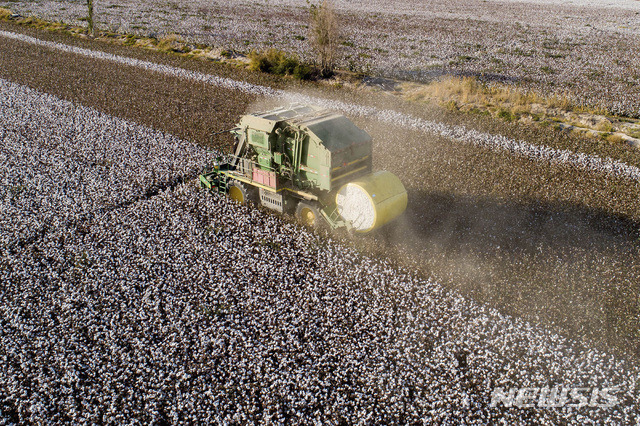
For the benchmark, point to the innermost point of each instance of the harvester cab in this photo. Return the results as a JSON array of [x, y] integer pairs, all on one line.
[[311, 162]]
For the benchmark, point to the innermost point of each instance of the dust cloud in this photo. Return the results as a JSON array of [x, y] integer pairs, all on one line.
[[512, 234], [509, 232]]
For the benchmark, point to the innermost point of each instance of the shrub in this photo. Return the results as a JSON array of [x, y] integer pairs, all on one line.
[[277, 62], [604, 126], [4, 13], [325, 36], [614, 138], [506, 115], [90, 27], [302, 72]]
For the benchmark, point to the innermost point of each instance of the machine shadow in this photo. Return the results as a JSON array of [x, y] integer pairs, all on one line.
[[560, 265], [482, 222]]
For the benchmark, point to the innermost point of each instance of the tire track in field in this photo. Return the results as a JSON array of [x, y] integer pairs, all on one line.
[[591, 163]]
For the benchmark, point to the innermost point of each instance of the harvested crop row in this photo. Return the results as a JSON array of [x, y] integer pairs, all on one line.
[[65, 163]]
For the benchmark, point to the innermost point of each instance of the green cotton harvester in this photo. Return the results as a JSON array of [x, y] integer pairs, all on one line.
[[311, 162]]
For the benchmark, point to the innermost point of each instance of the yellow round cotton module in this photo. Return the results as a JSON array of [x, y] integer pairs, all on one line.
[[371, 201]]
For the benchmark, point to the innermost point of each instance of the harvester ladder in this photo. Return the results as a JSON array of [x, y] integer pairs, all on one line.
[[331, 214]]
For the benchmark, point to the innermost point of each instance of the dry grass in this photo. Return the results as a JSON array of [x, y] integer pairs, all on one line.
[[168, 43], [30, 21], [171, 42], [509, 103], [604, 127], [470, 91], [4, 13]]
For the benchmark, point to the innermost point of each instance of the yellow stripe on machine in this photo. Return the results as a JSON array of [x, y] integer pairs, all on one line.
[[349, 164]]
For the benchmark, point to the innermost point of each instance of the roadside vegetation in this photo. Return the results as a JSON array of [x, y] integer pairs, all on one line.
[[325, 36], [511, 104], [90, 24], [277, 62]]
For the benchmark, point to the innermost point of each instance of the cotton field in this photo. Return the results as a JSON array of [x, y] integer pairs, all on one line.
[[506, 293], [579, 49], [131, 296], [60, 169]]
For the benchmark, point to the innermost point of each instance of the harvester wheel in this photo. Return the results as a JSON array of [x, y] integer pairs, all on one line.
[[241, 193], [308, 214]]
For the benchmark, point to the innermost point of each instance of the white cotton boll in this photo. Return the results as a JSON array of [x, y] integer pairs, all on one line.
[[142, 314], [356, 206]]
